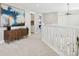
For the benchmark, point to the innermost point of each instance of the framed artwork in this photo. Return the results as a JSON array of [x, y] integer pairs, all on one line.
[[12, 16]]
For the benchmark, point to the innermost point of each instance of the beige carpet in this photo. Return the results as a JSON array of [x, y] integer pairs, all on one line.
[[31, 46]]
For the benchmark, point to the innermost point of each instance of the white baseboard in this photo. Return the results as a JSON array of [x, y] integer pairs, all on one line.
[[55, 49], [2, 41]]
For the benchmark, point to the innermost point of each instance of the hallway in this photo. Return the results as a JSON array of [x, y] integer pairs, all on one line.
[[32, 46]]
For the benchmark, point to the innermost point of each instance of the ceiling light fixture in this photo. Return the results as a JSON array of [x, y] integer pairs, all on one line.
[[68, 11]]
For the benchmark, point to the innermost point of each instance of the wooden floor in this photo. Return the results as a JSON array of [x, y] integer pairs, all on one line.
[[31, 46]]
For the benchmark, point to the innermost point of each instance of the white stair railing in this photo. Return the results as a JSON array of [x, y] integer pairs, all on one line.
[[60, 38]]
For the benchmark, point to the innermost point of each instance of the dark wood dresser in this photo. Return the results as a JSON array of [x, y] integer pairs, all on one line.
[[16, 34]]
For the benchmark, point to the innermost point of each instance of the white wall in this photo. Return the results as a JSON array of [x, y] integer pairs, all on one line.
[[72, 20], [61, 19], [50, 18], [1, 35]]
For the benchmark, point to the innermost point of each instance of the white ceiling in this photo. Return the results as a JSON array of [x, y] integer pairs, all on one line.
[[46, 7]]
